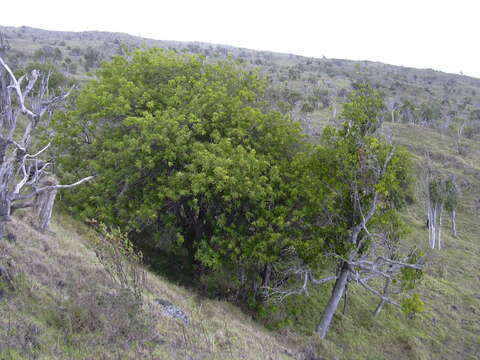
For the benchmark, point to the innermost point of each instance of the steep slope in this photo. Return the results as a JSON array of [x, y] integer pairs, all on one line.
[[57, 301], [450, 326]]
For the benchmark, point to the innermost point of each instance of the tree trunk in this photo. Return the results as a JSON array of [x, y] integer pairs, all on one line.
[[431, 223], [378, 308], [335, 298], [434, 226], [454, 223], [5, 206], [44, 205], [266, 274], [4, 218], [382, 302], [439, 229]]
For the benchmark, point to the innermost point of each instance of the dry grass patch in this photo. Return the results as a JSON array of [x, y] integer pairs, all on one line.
[[63, 303]]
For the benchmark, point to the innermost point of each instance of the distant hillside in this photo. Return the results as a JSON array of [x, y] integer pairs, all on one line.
[[312, 88]]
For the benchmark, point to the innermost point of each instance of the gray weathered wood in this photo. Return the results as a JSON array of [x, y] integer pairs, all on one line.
[[21, 172]]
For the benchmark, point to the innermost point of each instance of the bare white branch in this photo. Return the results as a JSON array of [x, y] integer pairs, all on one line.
[[52, 187], [38, 153], [373, 291], [278, 295]]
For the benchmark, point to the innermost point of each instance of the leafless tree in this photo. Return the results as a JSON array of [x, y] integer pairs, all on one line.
[[43, 203], [391, 106], [25, 105], [459, 129], [440, 194], [434, 206]]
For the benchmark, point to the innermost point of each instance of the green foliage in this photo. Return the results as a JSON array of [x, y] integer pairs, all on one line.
[[413, 305], [308, 107], [429, 113], [192, 165], [452, 194], [456, 332], [352, 185], [409, 277], [186, 155], [91, 57], [343, 175]]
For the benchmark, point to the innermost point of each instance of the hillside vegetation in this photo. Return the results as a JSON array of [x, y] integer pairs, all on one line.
[[312, 88], [63, 294], [58, 301]]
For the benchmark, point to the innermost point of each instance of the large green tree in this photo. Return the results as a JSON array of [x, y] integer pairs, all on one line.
[[186, 156], [190, 161]]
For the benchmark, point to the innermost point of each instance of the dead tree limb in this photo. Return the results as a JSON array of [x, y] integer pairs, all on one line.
[[25, 100]]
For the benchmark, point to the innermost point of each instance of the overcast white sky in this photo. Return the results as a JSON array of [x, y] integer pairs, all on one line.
[[443, 35]]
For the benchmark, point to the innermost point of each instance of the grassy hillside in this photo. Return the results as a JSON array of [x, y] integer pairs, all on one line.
[[57, 300], [450, 326]]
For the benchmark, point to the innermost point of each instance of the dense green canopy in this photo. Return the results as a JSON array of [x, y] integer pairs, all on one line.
[[186, 152], [191, 162]]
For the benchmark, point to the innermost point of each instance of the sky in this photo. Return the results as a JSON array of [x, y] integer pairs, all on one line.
[[442, 34]]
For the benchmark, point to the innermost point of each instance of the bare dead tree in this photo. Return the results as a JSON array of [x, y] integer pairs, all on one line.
[[391, 269], [433, 203], [43, 204], [24, 101], [363, 270], [440, 194], [434, 207], [391, 106], [302, 278], [452, 196], [334, 112]]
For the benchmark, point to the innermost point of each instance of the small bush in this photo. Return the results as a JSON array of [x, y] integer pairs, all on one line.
[[413, 305], [121, 261]]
